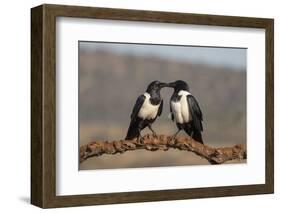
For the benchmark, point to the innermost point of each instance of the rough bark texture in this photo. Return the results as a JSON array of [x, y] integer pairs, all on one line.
[[163, 142]]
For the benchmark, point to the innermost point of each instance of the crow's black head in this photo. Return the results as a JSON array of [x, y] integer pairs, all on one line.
[[155, 86], [179, 85]]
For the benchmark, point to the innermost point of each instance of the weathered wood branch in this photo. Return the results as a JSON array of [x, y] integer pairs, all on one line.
[[163, 142]]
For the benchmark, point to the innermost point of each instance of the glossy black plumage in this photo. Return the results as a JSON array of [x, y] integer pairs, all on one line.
[[138, 123], [193, 127]]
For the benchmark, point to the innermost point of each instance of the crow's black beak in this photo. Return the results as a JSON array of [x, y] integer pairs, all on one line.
[[163, 85], [172, 84]]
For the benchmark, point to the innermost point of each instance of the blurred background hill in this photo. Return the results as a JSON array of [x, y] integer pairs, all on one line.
[[110, 82]]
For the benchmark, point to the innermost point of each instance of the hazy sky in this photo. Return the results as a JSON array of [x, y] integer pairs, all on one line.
[[235, 58]]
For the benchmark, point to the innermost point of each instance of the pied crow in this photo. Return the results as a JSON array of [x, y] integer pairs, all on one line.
[[147, 107], [185, 111]]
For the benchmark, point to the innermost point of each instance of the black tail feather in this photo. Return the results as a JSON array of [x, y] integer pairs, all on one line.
[[198, 137], [133, 131], [190, 130]]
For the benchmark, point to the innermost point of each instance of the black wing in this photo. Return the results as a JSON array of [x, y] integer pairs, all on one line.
[[196, 113], [137, 107], [160, 108], [133, 130]]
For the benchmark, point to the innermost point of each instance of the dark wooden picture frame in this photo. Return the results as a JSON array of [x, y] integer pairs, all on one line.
[[43, 105]]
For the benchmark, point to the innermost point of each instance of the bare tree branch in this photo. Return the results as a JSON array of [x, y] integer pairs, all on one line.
[[163, 142]]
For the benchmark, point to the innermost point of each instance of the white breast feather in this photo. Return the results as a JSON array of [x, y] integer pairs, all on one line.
[[180, 109], [148, 111], [176, 109]]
